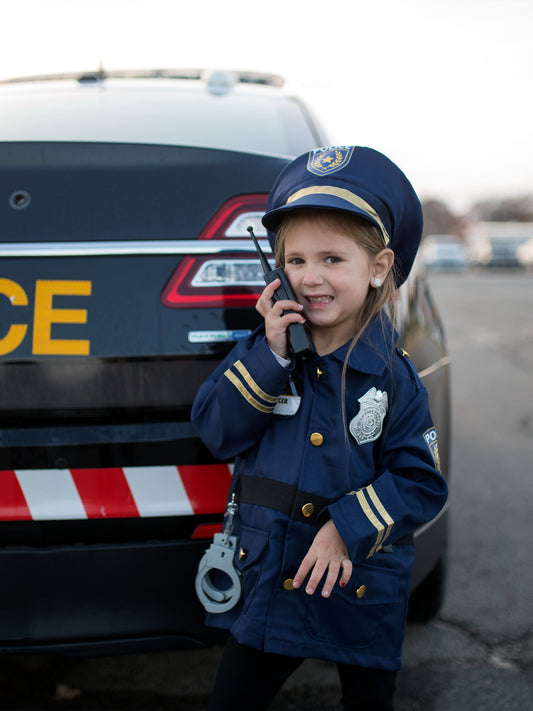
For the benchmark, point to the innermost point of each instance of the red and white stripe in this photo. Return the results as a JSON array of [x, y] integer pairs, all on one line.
[[66, 494]]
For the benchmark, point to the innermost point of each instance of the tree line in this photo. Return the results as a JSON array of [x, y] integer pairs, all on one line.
[[439, 219]]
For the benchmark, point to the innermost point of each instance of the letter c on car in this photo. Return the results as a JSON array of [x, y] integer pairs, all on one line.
[[15, 335]]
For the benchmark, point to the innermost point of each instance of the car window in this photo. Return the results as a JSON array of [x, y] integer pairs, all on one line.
[[158, 112]]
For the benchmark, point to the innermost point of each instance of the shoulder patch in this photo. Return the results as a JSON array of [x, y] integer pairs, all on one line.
[[430, 437]]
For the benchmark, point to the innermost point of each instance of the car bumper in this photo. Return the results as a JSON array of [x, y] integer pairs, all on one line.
[[101, 599]]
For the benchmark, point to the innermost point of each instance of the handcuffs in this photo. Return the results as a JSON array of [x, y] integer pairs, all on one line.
[[220, 557]]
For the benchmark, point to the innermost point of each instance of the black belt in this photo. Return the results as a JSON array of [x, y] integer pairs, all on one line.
[[288, 499]]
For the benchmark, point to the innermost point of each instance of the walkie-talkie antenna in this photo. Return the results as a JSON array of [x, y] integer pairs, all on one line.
[[264, 261]]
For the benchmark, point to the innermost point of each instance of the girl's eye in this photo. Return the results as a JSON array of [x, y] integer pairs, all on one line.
[[333, 260], [295, 260]]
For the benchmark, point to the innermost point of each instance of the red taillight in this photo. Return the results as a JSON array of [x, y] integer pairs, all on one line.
[[223, 279], [220, 224], [206, 530], [182, 292]]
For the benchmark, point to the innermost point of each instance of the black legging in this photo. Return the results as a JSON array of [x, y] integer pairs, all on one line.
[[248, 680]]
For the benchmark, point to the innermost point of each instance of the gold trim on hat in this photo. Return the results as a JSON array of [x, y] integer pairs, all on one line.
[[343, 194]]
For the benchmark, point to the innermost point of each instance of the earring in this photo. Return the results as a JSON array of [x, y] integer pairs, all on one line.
[[376, 282]]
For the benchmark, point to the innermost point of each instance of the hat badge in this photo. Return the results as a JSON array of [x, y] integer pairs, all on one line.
[[323, 161], [367, 425]]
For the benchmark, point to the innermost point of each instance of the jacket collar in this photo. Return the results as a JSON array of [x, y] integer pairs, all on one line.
[[374, 349]]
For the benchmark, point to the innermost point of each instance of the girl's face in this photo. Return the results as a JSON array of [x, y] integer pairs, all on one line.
[[330, 275]]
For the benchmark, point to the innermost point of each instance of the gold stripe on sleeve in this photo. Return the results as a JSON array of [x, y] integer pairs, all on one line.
[[381, 510], [254, 387], [246, 395], [380, 528]]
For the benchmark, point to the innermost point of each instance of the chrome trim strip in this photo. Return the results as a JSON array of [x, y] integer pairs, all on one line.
[[134, 247], [446, 360]]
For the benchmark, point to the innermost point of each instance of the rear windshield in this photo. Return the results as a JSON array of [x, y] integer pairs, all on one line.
[[257, 119]]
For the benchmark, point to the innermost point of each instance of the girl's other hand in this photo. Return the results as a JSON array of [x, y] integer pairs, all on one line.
[[327, 553], [276, 323]]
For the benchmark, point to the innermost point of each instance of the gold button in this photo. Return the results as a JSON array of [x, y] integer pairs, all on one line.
[[316, 439], [319, 373], [242, 553], [288, 584], [360, 592], [308, 509]]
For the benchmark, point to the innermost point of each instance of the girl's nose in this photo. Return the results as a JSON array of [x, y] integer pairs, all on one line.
[[312, 276]]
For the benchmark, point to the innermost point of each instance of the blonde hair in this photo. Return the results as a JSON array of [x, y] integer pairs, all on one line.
[[369, 238]]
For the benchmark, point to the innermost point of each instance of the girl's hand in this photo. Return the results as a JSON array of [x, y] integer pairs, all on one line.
[[327, 553], [276, 323]]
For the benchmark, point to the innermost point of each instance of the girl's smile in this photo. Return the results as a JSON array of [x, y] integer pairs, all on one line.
[[315, 300]]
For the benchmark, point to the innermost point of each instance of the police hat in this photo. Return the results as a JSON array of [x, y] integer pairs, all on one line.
[[358, 180]]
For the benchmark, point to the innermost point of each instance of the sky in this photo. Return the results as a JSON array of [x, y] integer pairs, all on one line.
[[443, 87]]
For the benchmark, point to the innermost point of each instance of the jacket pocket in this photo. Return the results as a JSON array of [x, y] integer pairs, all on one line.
[[373, 586], [253, 542], [352, 615]]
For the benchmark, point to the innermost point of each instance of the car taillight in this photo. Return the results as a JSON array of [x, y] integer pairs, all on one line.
[[206, 530], [224, 278]]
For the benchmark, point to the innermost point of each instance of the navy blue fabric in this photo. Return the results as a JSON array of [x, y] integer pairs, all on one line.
[[390, 483], [363, 172]]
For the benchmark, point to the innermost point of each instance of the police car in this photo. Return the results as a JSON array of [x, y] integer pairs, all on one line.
[[126, 273]]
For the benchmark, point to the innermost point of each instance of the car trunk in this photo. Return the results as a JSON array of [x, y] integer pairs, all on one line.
[[90, 237]]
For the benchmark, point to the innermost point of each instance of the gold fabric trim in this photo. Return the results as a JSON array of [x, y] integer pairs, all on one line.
[[254, 387], [380, 528], [381, 510], [234, 380], [343, 194]]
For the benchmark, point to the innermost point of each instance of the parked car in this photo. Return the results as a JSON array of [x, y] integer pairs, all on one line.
[[500, 244], [499, 251], [126, 275], [445, 253]]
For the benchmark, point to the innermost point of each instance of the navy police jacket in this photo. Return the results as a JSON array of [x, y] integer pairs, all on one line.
[[299, 462]]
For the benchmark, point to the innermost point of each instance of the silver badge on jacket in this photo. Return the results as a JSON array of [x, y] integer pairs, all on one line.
[[367, 425]]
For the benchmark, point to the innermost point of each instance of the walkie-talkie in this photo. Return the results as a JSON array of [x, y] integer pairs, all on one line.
[[298, 336]]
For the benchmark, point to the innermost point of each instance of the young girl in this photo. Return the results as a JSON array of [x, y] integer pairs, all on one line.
[[333, 472]]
